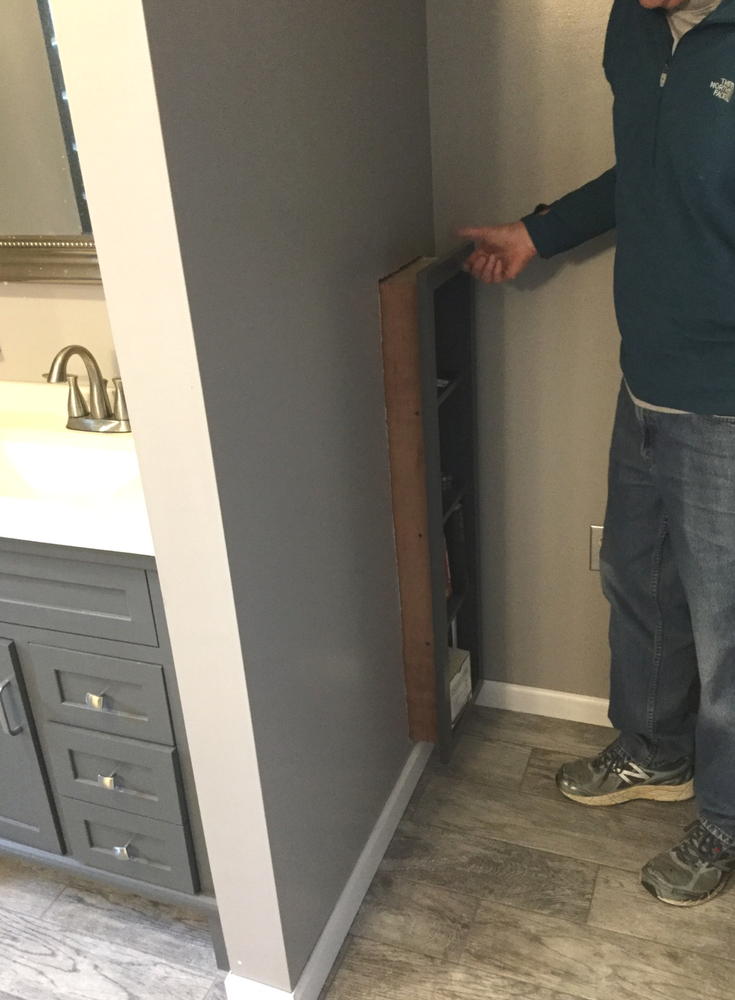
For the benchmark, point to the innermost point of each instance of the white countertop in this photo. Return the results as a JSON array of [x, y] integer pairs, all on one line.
[[66, 487]]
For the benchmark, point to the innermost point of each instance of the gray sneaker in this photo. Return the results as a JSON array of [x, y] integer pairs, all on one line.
[[692, 872], [613, 777]]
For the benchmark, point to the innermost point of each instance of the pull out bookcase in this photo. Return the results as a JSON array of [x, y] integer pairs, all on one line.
[[428, 320]]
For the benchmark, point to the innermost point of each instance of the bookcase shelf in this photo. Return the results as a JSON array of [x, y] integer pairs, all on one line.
[[445, 391], [428, 318], [451, 500], [454, 605]]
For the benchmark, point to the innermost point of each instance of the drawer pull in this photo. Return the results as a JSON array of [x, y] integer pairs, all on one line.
[[109, 782], [96, 701], [125, 853], [5, 724]]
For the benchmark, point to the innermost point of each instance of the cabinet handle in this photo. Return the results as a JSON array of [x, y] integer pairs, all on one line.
[[109, 782], [95, 701], [4, 720]]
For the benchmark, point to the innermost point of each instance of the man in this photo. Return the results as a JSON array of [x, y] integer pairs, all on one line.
[[668, 552]]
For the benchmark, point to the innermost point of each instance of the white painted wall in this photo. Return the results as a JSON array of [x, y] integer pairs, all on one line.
[[36, 321], [521, 114]]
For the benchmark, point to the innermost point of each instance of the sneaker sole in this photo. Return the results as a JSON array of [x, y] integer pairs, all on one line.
[[685, 902], [659, 793]]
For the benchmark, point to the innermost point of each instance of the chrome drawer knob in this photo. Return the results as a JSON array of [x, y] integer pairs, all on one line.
[[125, 853], [95, 701], [108, 781]]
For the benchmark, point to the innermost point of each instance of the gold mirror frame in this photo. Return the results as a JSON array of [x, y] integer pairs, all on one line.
[[49, 259]]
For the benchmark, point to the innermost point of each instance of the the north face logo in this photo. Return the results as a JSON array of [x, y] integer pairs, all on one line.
[[724, 89]]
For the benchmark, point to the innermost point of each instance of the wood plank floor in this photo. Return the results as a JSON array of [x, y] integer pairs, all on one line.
[[493, 888], [497, 887], [63, 939]]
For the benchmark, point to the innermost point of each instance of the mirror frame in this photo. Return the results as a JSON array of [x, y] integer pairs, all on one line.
[[50, 259]]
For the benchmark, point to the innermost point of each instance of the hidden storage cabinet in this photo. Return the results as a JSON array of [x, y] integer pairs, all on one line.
[[94, 766], [428, 324]]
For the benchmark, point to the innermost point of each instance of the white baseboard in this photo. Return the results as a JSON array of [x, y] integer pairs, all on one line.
[[238, 988], [327, 948], [539, 701]]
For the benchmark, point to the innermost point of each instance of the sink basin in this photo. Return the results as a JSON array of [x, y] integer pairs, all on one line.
[[81, 488], [51, 466], [51, 460]]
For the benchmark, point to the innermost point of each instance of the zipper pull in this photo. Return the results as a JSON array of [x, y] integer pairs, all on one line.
[[664, 76]]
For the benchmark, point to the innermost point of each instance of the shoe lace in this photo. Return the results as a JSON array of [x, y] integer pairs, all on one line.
[[702, 847], [611, 759]]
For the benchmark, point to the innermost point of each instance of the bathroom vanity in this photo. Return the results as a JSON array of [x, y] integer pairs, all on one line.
[[95, 775]]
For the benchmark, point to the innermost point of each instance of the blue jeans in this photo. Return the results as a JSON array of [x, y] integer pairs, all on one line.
[[668, 570]]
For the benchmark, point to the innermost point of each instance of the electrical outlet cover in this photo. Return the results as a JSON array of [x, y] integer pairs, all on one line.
[[595, 543]]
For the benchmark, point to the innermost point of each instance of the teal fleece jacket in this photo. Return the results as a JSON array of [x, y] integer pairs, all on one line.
[[671, 196]]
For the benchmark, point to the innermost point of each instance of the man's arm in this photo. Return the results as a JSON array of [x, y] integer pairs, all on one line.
[[504, 251], [577, 217]]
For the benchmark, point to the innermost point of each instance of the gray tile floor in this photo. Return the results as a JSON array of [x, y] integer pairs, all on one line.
[[494, 887]]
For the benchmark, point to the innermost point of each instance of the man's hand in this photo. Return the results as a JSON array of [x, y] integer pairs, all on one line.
[[502, 252]]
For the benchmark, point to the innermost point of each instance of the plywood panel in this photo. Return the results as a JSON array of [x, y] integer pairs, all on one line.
[[408, 485]]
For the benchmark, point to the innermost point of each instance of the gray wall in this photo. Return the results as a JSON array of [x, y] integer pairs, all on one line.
[[36, 195], [297, 139], [520, 113]]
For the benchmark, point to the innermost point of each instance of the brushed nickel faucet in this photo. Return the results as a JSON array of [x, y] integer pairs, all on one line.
[[97, 415]]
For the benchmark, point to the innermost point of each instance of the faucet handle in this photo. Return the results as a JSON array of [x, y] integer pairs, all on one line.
[[120, 407], [76, 406]]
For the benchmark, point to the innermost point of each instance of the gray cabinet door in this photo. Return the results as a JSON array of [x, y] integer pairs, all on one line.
[[26, 813]]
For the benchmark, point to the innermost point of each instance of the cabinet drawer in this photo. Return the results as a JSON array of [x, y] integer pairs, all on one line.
[[85, 598], [105, 693], [136, 777], [135, 846]]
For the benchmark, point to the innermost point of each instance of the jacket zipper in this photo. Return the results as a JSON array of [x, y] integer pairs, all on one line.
[[662, 84]]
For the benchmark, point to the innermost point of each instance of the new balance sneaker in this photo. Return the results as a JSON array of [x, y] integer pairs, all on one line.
[[613, 777], [692, 872]]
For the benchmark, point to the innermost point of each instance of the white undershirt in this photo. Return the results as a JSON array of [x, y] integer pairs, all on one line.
[[650, 406], [688, 15], [681, 19]]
